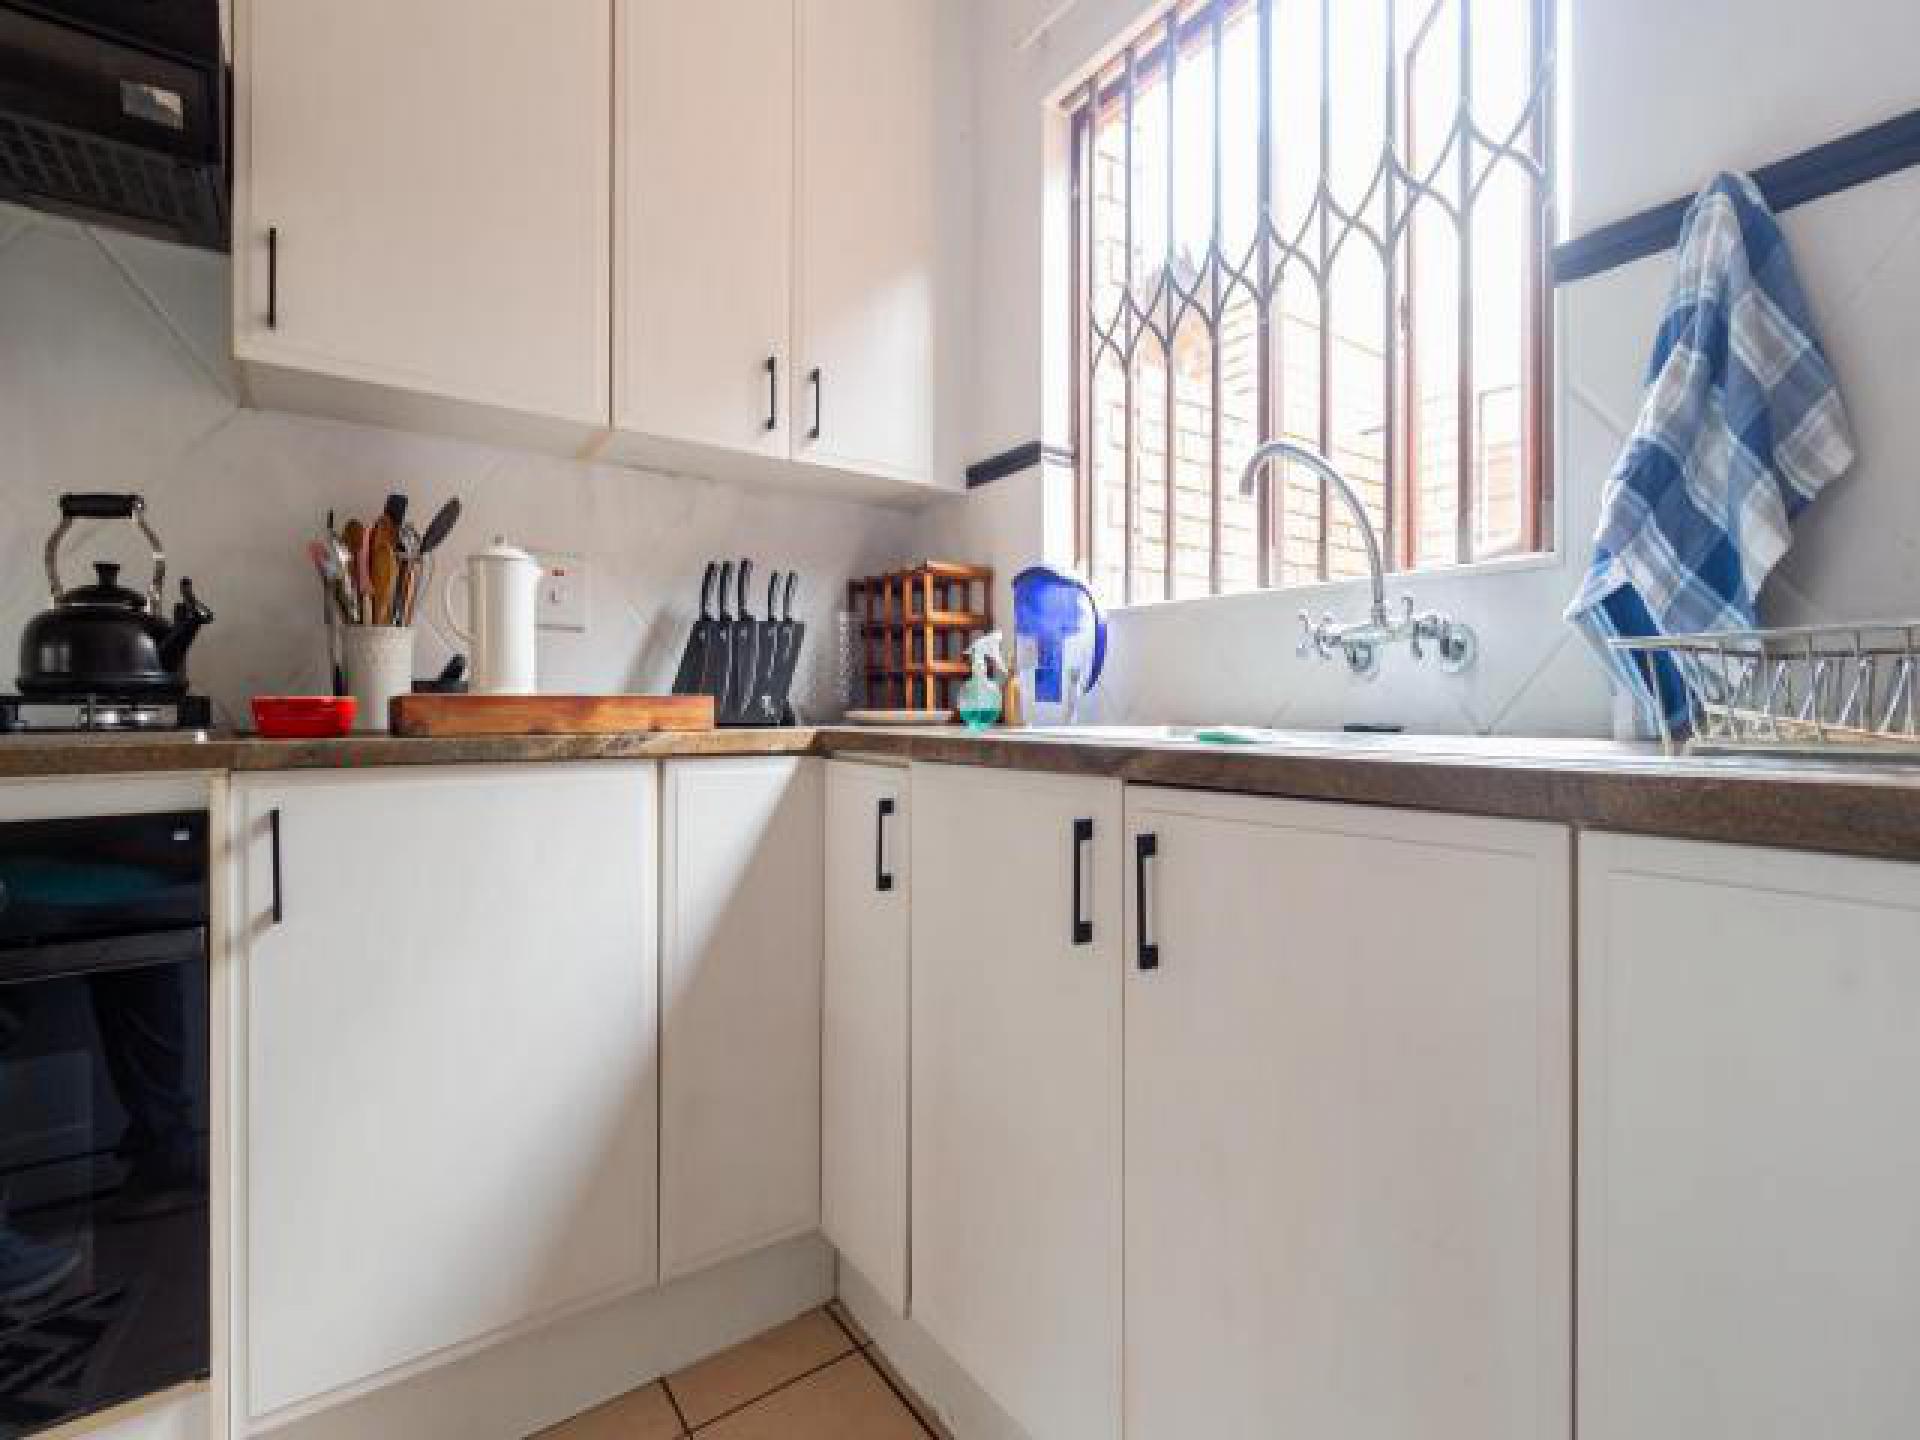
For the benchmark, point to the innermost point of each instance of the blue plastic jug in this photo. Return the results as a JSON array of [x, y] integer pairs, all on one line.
[[1060, 642]]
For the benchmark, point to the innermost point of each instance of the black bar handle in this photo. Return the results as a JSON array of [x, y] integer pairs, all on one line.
[[813, 379], [1082, 837], [1145, 847], [773, 392], [273, 830], [94, 506], [273, 277], [882, 877]]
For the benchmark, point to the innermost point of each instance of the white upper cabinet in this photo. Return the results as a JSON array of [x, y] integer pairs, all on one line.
[[1749, 1143], [775, 251], [422, 216], [704, 207], [741, 895], [863, 1051], [446, 1031], [864, 319], [1348, 1123], [697, 237], [1016, 1089]]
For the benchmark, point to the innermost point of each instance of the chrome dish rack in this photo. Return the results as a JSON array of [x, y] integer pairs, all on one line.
[[1820, 690]]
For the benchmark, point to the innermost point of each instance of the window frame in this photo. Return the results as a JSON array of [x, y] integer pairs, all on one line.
[[1180, 27]]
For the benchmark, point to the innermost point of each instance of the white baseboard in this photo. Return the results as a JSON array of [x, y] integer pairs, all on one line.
[[181, 1413], [532, 1381], [968, 1412]]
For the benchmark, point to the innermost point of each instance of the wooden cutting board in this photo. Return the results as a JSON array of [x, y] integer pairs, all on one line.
[[424, 716]]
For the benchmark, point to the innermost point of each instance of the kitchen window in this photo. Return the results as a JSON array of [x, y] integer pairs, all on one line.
[[1326, 220]]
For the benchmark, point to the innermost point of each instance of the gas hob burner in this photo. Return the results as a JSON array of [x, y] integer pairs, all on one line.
[[110, 715], [102, 714]]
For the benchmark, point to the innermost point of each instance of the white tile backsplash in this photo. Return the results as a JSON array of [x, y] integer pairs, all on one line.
[[115, 375]]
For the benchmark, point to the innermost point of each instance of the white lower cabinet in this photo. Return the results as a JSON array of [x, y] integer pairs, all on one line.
[[741, 928], [446, 1020], [864, 1023], [1348, 1123], [1016, 1089], [1749, 1143], [1290, 1084]]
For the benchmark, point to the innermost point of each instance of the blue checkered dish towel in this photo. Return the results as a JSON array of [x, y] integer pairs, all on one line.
[[1740, 429]]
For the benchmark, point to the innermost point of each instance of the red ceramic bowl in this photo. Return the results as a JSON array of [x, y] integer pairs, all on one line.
[[303, 717]]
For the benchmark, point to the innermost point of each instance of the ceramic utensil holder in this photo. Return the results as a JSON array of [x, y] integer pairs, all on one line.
[[379, 660]]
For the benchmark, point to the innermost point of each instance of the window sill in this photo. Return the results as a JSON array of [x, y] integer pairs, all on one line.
[[1405, 582]]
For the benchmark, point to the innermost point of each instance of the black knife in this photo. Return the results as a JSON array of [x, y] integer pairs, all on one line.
[[792, 632], [716, 667], [693, 659], [745, 650], [765, 710]]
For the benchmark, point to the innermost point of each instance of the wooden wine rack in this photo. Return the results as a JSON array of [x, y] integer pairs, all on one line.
[[915, 626]]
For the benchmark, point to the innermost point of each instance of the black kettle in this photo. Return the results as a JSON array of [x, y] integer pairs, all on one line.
[[104, 639]]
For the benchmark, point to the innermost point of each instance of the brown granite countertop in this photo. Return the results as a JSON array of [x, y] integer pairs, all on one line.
[[128, 754], [1850, 807]]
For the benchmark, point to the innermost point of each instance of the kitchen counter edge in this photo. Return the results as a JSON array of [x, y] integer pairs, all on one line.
[[1843, 808]]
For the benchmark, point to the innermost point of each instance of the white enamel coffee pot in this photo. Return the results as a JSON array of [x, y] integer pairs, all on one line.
[[503, 591]]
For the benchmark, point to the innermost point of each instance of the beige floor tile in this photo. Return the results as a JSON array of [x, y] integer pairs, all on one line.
[[730, 1379], [644, 1414], [846, 1401], [852, 1326]]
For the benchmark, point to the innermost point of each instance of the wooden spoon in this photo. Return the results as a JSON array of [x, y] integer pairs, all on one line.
[[383, 570]]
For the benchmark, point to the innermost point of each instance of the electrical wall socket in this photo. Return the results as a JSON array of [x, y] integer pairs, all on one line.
[[563, 591]]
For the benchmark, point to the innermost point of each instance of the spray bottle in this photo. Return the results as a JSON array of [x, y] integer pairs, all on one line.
[[980, 696]]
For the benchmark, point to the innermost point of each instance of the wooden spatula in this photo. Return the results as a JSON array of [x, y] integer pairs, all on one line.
[[383, 570]]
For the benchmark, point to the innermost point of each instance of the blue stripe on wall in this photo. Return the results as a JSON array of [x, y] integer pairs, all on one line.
[[1879, 150]]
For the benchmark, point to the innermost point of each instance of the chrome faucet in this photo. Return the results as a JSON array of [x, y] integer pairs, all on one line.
[[1361, 643]]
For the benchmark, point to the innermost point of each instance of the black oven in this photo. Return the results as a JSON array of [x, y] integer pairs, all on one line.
[[103, 1112]]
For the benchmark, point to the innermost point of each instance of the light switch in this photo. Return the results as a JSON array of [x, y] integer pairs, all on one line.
[[563, 591]]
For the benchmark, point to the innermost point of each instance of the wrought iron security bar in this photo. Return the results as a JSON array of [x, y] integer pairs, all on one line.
[[1211, 311]]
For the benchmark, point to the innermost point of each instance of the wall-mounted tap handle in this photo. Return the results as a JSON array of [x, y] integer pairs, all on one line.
[[1459, 647], [1306, 636], [1326, 636]]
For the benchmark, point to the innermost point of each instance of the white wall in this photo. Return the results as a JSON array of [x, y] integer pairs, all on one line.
[[1661, 96], [115, 375]]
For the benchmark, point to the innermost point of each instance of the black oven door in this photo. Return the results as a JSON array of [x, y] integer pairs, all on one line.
[[103, 1114]]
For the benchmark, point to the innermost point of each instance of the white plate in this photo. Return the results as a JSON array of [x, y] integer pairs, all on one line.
[[900, 717]]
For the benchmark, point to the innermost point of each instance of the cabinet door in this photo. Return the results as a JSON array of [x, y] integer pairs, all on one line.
[[1749, 1143], [425, 196], [1016, 1089], [740, 1045], [449, 1020], [865, 268], [863, 1055], [704, 129], [1348, 1123]]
